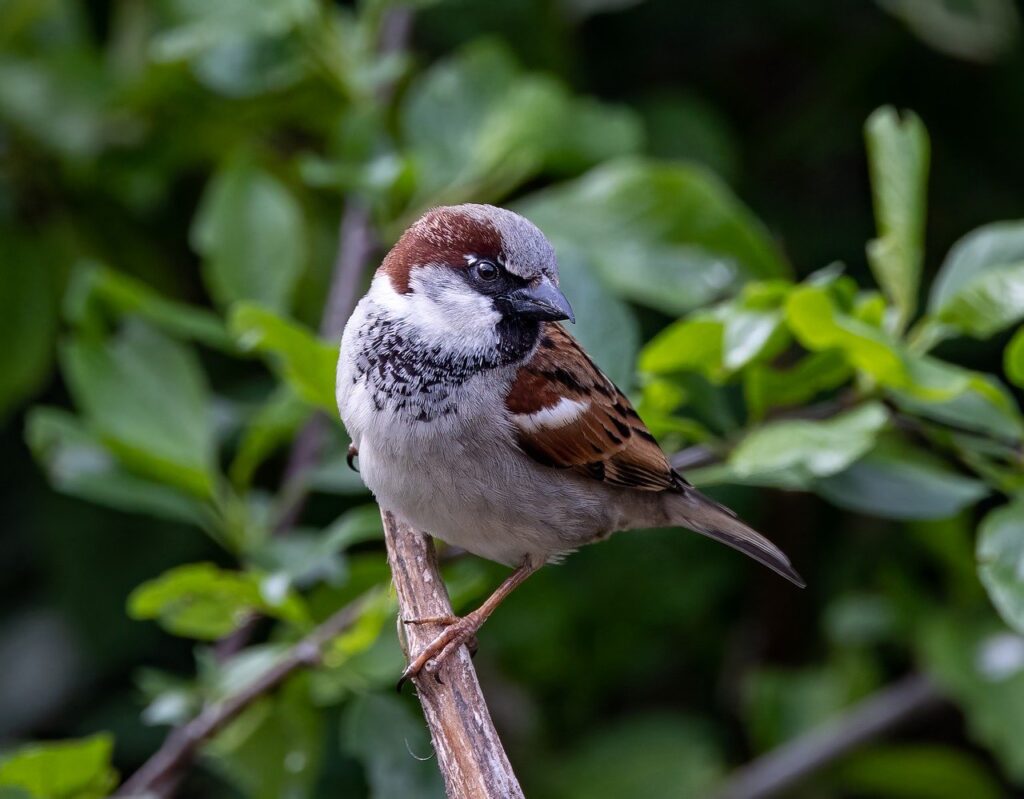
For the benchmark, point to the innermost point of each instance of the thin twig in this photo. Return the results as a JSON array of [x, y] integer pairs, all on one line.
[[159, 774], [469, 752], [356, 245], [792, 762]]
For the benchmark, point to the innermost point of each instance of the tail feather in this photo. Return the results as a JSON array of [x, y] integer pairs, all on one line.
[[703, 515]]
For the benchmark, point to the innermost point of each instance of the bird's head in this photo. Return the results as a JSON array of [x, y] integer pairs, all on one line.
[[475, 273]]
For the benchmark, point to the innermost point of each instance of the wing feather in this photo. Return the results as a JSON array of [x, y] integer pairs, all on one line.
[[602, 437]]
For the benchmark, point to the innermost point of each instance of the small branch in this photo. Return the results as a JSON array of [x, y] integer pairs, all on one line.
[[159, 775], [356, 245], [792, 762], [469, 752]]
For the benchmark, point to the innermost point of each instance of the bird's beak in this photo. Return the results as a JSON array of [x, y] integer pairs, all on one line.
[[542, 300]]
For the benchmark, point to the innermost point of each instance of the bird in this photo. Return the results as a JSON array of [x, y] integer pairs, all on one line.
[[477, 418]]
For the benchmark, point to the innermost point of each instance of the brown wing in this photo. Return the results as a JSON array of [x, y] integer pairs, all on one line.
[[570, 416]]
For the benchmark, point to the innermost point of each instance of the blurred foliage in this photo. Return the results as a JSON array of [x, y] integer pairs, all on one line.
[[171, 177]]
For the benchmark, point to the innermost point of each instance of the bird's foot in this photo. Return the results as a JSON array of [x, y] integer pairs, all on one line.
[[458, 631], [350, 458]]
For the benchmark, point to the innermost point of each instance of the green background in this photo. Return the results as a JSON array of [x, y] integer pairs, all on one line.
[[172, 173]]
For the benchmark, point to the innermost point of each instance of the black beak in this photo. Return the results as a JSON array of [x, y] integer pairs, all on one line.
[[541, 301]]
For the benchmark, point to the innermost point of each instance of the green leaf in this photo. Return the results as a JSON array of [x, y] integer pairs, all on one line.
[[816, 319], [1001, 561], [719, 341], [477, 127], [746, 334], [58, 104], [915, 771], [199, 26], [593, 132], [77, 463], [671, 236], [393, 746], [861, 620], [605, 326], [28, 318], [306, 557], [273, 424], [685, 127], [355, 526], [793, 453], [980, 288], [62, 770], [275, 748], [250, 231], [959, 397], [334, 476], [654, 755], [779, 704], [93, 286], [201, 601], [693, 344], [896, 481], [819, 325], [1013, 359], [981, 666], [146, 397], [236, 48], [993, 246], [976, 30], [988, 303], [308, 364], [303, 558], [765, 387], [378, 612], [898, 155]]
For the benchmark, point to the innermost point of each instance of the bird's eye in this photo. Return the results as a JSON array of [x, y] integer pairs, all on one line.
[[487, 270]]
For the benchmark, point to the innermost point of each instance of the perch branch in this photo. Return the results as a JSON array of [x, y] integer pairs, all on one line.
[[159, 775], [786, 766], [469, 752]]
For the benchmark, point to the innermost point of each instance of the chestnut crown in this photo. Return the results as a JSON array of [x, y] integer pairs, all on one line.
[[496, 253]]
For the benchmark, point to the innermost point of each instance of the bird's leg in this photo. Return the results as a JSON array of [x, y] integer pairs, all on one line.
[[458, 630]]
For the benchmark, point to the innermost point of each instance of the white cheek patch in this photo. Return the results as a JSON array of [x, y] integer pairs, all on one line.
[[560, 414], [441, 308]]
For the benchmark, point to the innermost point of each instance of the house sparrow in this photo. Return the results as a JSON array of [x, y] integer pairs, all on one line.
[[477, 418]]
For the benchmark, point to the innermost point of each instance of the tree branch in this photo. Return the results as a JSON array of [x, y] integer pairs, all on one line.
[[356, 245], [469, 752], [159, 775], [792, 762]]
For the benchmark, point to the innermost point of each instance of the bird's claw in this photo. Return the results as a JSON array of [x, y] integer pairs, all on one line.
[[458, 631], [353, 453]]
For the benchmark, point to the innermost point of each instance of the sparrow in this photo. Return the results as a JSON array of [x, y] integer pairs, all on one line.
[[478, 418]]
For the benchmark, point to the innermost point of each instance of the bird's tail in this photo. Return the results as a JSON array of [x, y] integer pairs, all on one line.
[[690, 508]]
